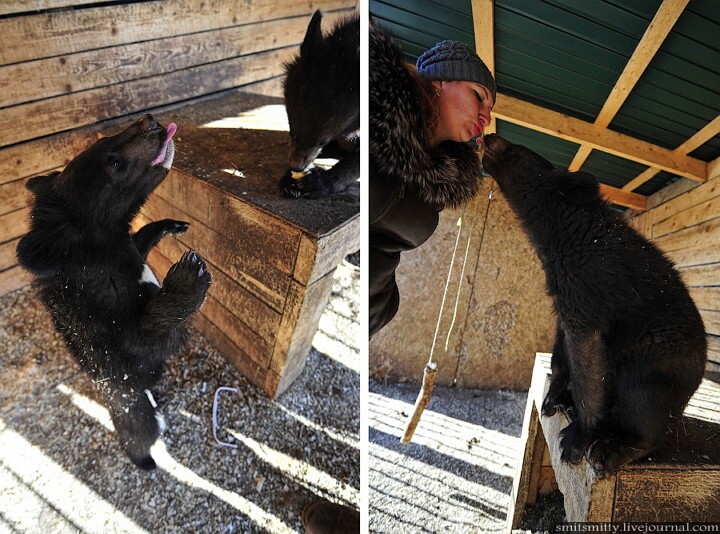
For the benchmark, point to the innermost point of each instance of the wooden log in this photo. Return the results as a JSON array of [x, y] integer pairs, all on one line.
[[35, 119], [53, 34]]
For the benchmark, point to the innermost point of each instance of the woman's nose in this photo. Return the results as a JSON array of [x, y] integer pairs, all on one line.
[[484, 116]]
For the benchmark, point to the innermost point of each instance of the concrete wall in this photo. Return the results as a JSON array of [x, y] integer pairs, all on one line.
[[503, 314]]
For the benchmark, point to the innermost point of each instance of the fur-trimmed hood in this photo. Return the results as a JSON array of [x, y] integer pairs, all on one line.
[[448, 174]]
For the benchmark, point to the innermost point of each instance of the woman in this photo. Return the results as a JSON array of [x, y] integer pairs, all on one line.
[[420, 121]]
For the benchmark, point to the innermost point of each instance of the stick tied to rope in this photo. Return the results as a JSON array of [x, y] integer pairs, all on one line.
[[423, 398]]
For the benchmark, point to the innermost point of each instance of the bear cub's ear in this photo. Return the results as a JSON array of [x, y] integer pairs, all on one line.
[[579, 187], [38, 182]]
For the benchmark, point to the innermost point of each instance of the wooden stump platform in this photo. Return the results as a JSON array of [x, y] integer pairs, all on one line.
[[272, 258], [680, 482]]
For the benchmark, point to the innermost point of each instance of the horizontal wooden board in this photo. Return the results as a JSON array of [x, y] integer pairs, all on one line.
[[14, 224], [254, 232], [714, 349], [107, 66], [28, 121], [711, 318], [7, 254], [217, 337], [665, 495], [55, 151], [571, 129], [8, 7], [701, 255], [697, 236], [257, 348], [703, 275], [706, 298], [318, 258], [14, 196], [705, 211], [683, 202], [253, 274], [258, 316], [54, 34], [13, 278]]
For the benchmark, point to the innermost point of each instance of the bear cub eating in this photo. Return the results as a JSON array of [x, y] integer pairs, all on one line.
[[116, 319], [630, 348], [322, 99]]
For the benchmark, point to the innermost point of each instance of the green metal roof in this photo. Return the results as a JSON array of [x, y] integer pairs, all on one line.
[[566, 55]]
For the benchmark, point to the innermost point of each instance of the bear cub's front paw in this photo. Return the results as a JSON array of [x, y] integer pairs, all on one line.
[[173, 227], [190, 278]]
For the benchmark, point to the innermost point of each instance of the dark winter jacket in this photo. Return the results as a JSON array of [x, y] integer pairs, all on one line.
[[410, 183]]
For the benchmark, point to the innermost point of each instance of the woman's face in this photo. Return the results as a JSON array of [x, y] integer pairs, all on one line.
[[464, 110]]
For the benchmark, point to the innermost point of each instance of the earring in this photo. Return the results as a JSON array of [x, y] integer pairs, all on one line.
[[438, 92]]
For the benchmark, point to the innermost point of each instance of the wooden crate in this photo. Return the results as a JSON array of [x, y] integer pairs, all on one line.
[[681, 482], [272, 257]]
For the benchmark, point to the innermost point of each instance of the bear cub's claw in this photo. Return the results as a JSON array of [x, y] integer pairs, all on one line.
[[189, 276]]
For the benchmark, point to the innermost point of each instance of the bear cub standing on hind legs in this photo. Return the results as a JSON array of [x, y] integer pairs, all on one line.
[[117, 321], [322, 99], [630, 348]]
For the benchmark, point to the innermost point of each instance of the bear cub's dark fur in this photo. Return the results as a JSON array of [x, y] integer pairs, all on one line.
[[118, 323], [322, 99], [630, 348]]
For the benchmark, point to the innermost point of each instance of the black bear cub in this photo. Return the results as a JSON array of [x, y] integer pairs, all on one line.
[[117, 321], [322, 99], [630, 348]]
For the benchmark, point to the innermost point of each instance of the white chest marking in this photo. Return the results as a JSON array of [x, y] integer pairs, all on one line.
[[148, 277]]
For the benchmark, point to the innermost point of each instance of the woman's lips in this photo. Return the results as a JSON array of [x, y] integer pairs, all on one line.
[[478, 129]]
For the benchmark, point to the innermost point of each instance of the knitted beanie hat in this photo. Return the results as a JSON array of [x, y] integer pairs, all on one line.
[[455, 61]]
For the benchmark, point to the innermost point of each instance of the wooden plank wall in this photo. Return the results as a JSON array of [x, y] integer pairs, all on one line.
[[687, 228], [70, 69]]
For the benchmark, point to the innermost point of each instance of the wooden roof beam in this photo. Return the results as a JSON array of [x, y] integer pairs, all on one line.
[[484, 29], [597, 137], [623, 198], [710, 130], [661, 24]]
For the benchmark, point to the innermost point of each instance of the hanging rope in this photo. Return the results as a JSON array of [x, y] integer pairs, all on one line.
[[428, 383]]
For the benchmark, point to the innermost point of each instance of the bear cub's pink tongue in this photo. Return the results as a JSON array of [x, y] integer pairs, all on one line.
[[171, 129]]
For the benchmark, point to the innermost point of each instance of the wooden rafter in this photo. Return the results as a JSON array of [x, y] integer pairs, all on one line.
[[597, 137], [703, 136], [484, 25], [657, 31], [624, 198]]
